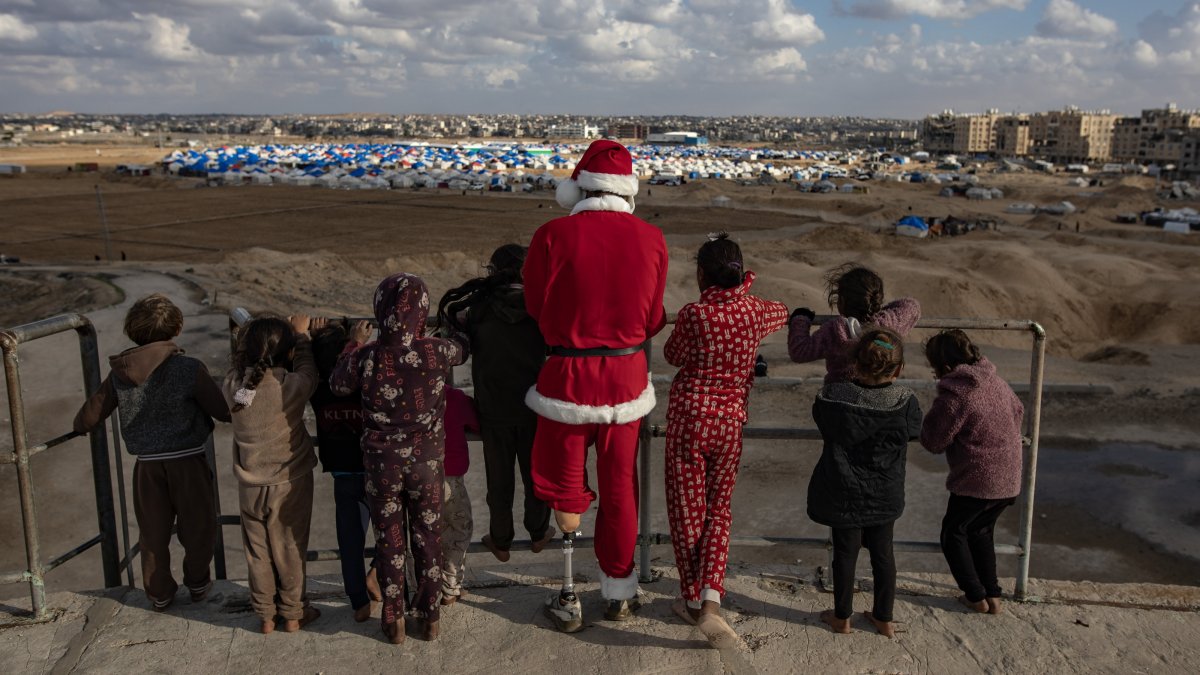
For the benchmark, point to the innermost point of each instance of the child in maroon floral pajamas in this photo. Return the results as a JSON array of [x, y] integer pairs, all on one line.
[[713, 343], [402, 380], [857, 294]]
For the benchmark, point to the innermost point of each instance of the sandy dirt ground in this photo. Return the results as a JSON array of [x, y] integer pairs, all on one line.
[[1117, 497]]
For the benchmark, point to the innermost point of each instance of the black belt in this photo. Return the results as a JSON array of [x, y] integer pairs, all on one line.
[[595, 351]]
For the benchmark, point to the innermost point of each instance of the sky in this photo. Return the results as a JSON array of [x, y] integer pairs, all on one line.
[[877, 58]]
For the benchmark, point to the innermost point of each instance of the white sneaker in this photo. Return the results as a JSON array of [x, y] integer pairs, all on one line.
[[565, 610]]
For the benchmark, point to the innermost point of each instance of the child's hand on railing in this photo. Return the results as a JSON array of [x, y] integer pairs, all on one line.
[[361, 332], [299, 323]]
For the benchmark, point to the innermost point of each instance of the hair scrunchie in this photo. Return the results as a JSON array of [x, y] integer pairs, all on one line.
[[244, 397]]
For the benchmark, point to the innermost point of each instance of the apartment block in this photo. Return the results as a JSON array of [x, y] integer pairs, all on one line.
[[1157, 136]]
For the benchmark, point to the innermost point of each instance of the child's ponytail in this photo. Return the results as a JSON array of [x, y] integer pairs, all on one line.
[[263, 343], [950, 349], [503, 268]]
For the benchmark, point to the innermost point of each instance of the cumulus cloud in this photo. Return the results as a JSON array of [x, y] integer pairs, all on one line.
[[1064, 18], [1170, 43], [13, 28], [934, 9]]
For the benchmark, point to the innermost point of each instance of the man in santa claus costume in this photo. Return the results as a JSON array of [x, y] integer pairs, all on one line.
[[594, 282]]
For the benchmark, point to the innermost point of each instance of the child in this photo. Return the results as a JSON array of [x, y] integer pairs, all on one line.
[[273, 460], [976, 421], [507, 352], [339, 428], [857, 487], [167, 402], [456, 507], [714, 344], [857, 293], [401, 379]]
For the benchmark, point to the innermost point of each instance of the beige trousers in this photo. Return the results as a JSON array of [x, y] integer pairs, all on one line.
[[275, 525], [456, 534]]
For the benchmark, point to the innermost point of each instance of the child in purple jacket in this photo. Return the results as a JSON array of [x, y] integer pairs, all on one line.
[[976, 421], [402, 381], [857, 293]]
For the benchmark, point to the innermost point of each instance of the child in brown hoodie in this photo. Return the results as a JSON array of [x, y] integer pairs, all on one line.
[[273, 460], [167, 403]]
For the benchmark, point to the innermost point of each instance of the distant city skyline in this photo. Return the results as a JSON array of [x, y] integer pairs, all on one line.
[[899, 59]]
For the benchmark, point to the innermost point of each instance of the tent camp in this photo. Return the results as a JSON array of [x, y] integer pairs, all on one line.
[[912, 226]]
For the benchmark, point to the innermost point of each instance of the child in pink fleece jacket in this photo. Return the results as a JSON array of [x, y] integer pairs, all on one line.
[[857, 293], [976, 421]]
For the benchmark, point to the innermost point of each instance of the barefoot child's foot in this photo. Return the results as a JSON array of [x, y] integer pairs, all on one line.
[[719, 633], [981, 606], [373, 591], [293, 625], [885, 628], [267, 627], [394, 632], [993, 605], [841, 626], [363, 613]]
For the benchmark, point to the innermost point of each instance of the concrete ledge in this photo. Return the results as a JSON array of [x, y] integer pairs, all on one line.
[[500, 626]]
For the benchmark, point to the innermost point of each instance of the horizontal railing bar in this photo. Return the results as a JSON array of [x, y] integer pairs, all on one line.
[[1017, 387], [57, 440], [15, 577], [240, 316], [11, 337], [55, 562], [777, 434], [662, 539]]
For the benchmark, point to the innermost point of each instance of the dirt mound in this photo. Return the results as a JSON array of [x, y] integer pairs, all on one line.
[[1119, 356], [31, 296]]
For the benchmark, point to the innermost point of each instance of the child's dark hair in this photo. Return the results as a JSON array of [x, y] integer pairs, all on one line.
[[878, 354], [948, 349], [263, 343], [327, 345], [153, 318], [854, 291], [720, 261], [503, 268]]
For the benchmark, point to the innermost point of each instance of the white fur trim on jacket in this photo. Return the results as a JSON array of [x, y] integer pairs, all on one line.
[[567, 412], [625, 185], [618, 589], [604, 203]]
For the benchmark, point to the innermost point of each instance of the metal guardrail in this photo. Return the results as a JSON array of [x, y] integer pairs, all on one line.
[[649, 431], [36, 568]]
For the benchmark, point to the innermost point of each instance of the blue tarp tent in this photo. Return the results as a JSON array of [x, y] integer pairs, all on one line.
[[912, 226]]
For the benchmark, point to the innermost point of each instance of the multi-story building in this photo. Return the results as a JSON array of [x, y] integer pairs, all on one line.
[[1072, 135], [1189, 158], [966, 134], [1157, 136], [628, 131], [1012, 136]]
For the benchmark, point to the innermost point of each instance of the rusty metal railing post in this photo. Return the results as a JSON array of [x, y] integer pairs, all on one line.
[[1033, 431], [210, 454], [33, 554], [89, 354], [645, 491], [127, 559]]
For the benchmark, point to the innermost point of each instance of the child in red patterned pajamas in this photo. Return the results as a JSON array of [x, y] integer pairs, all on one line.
[[713, 344]]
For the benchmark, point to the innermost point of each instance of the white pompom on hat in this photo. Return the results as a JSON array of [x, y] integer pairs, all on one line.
[[606, 166]]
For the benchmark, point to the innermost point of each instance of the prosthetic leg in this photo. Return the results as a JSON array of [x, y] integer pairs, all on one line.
[[563, 607]]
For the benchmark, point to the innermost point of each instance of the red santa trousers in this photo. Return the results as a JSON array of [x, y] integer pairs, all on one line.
[[560, 479], [702, 461]]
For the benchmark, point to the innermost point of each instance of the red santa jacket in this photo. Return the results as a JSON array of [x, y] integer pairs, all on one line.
[[596, 279]]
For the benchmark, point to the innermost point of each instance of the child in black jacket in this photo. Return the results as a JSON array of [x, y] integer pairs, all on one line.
[[857, 486]]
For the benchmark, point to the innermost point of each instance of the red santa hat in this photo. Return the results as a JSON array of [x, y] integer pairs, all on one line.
[[606, 166]]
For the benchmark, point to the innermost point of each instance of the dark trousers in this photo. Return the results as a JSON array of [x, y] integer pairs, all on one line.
[[504, 447], [352, 515], [968, 545], [846, 543], [405, 496], [174, 493]]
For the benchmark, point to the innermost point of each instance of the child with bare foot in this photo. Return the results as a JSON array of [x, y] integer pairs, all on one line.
[[976, 421], [267, 388], [713, 344], [857, 486]]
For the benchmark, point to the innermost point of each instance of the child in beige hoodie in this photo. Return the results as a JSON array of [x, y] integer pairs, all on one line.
[[273, 460]]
